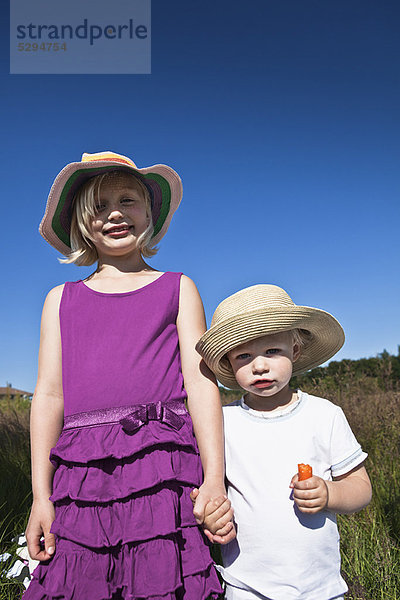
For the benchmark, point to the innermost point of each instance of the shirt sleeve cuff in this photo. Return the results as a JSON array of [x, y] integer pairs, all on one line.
[[349, 463]]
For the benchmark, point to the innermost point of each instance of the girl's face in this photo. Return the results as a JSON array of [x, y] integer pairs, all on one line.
[[263, 367], [120, 217]]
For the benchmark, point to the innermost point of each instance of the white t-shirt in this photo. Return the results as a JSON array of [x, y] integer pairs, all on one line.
[[279, 552]]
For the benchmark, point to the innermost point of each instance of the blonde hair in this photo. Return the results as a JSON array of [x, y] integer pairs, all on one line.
[[83, 251], [301, 337]]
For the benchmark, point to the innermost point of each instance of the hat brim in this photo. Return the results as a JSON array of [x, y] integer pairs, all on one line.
[[327, 337], [163, 183]]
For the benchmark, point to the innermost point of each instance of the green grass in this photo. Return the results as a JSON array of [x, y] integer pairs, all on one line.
[[15, 486], [370, 540]]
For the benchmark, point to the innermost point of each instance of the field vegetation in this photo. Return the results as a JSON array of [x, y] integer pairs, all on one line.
[[368, 390]]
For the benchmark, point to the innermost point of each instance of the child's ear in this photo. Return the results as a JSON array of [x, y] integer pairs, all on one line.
[[296, 351]]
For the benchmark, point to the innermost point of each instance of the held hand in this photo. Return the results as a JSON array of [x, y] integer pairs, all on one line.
[[218, 519], [310, 495], [206, 492], [40, 520]]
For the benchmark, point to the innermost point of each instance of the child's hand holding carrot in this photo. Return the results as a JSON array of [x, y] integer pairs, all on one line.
[[310, 492]]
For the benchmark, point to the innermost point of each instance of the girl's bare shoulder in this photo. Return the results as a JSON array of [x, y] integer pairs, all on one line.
[[52, 301], [56, 292], [188, 287]]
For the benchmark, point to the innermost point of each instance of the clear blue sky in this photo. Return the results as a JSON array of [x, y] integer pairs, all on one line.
[[282, 118]]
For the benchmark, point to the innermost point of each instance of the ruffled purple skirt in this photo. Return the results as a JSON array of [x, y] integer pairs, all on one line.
[[124, 524]]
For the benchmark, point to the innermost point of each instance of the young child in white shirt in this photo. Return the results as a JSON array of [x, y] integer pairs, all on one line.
[[287, 542]]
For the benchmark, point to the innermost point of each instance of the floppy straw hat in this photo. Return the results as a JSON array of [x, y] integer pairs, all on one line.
[[163, 183], [262, 310]]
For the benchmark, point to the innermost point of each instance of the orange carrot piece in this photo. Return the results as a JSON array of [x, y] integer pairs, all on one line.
[[305, 471]]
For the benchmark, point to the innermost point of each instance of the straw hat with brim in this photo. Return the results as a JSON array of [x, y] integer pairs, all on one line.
[[163, 183], [263, 310]]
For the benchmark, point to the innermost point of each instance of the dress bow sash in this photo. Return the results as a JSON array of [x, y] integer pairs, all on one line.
[[144, 413]]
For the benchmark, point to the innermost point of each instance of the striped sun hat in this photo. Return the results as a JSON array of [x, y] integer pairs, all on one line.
[[163, 183], [264, 310]]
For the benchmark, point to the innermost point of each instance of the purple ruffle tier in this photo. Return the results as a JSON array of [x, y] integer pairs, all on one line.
[[124, 523]]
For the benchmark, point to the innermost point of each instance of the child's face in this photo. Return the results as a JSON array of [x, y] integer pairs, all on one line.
[[120, 217], [263, 367]]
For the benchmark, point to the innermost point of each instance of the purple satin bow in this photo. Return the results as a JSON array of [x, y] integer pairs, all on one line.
[[150, 412]]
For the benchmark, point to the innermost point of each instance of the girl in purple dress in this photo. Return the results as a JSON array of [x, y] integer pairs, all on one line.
[[117, 362]]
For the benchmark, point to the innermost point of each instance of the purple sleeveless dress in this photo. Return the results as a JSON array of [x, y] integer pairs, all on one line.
[[127, 458]]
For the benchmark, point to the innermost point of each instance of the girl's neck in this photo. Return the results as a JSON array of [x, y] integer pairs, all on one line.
[[111, 280], [110, 267]]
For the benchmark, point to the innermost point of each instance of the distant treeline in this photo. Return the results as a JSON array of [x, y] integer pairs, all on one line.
[[382, 371]]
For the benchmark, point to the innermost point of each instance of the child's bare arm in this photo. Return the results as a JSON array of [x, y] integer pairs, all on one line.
[[350, 492], [46, 424], [203, 396], [346, 494]]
